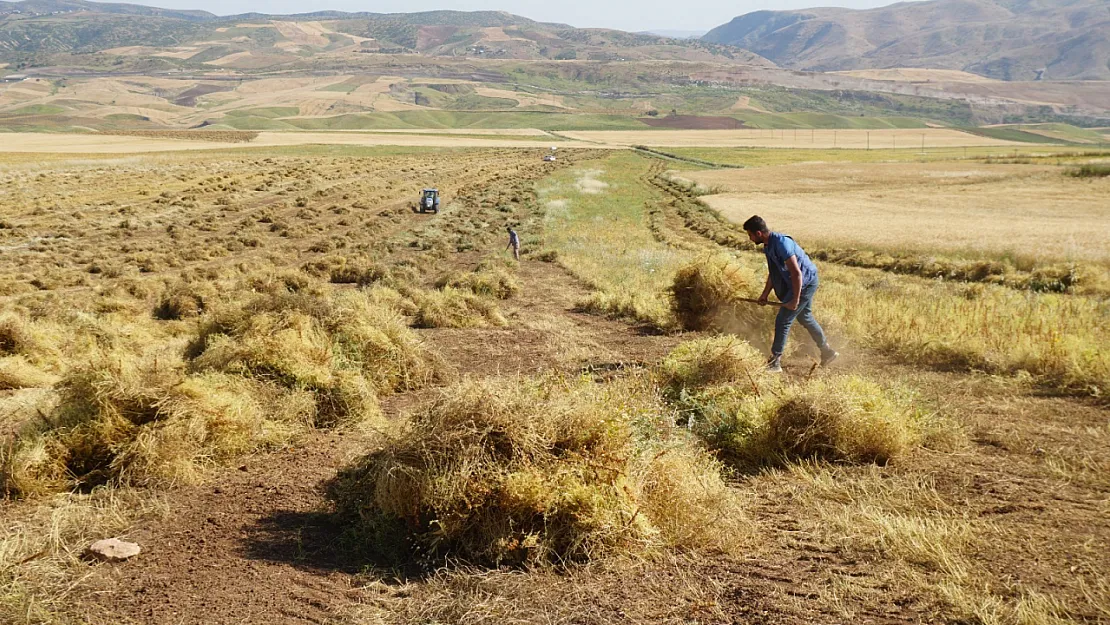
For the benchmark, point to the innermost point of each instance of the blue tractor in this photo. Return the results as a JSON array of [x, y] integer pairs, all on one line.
[[429, 201]]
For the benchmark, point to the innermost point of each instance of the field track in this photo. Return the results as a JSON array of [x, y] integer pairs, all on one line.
[[110, 144], [525, 138]]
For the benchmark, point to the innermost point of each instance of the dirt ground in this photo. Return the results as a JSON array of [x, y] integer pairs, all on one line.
[[257, 542]]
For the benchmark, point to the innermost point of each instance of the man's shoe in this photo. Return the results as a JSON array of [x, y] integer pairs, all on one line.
[[827, 357], [774, 366]]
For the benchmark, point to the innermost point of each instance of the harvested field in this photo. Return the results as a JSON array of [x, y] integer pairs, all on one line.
[[693, 122], [914, 74], [960, 208], [308, 403], [802, 138], [159, 141]]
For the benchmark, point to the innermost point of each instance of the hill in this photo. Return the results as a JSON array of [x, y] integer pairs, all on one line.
[[1004, 39], [33, 30]]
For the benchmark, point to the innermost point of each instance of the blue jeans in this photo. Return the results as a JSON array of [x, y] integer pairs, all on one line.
[[804, 315]]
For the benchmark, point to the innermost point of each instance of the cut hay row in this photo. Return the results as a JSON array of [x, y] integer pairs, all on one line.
[[555, 470]]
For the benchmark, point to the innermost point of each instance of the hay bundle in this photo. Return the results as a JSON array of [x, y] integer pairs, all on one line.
[[16, 372], [17, 336], [847, 419], [704, 290], [526, 471], [706, 362], [185, 300], [842, 419], [140, 423], [454, 308], [303, 341], [492, 282]]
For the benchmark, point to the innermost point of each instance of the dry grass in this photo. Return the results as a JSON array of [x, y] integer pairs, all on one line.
[[705, 292], [143, 423], [550, 471], [672, 592], [839, 419], [1028, 214], [41, 566], [803, 139], [451, 307], [904, 521]]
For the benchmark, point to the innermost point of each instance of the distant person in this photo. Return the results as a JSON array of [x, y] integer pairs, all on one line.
[[514, 242], [793, 276]]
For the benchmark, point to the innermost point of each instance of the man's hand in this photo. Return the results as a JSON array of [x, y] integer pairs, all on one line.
[[763, 300], [793, 304]]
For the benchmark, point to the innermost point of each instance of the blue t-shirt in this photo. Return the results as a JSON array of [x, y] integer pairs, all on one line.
[[778, 249]]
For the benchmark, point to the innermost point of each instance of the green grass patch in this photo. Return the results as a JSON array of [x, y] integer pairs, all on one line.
[[36, 109], [468, 119], [1090, 170], [1066, 132], [1012, 134], [597, 220], [765, 157], [269, 112], [475, 102], [126, 117]]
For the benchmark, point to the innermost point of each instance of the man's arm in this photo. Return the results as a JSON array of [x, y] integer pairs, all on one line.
[[795, 283]]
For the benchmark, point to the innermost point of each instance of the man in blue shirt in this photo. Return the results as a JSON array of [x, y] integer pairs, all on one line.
[[793, 276]]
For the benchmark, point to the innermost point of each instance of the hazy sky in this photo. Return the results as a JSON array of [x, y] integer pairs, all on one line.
[[631, 15]]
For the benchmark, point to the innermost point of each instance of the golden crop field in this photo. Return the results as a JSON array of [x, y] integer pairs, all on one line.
[[959, 208], [307, 401], [103, 143], [883, 139]]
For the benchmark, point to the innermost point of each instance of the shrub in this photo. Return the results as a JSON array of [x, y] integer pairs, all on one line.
[[704, 293], [1090, 170], [515, 471]]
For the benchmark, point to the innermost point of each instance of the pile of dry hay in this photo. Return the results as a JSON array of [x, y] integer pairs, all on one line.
[[751, 419], [135, 422], [704, 295], [258, 374], [538, 471]]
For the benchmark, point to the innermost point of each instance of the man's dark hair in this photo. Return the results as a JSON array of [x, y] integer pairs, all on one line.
[[755, 223]]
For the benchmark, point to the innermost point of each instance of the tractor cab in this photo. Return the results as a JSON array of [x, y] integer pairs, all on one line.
[[429, 201]]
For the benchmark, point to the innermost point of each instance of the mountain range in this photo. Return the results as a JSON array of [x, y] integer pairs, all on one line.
[[33, 28], [1004, 39], [1013, 40]]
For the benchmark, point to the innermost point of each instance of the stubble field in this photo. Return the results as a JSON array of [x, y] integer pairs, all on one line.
[[310, 404]]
